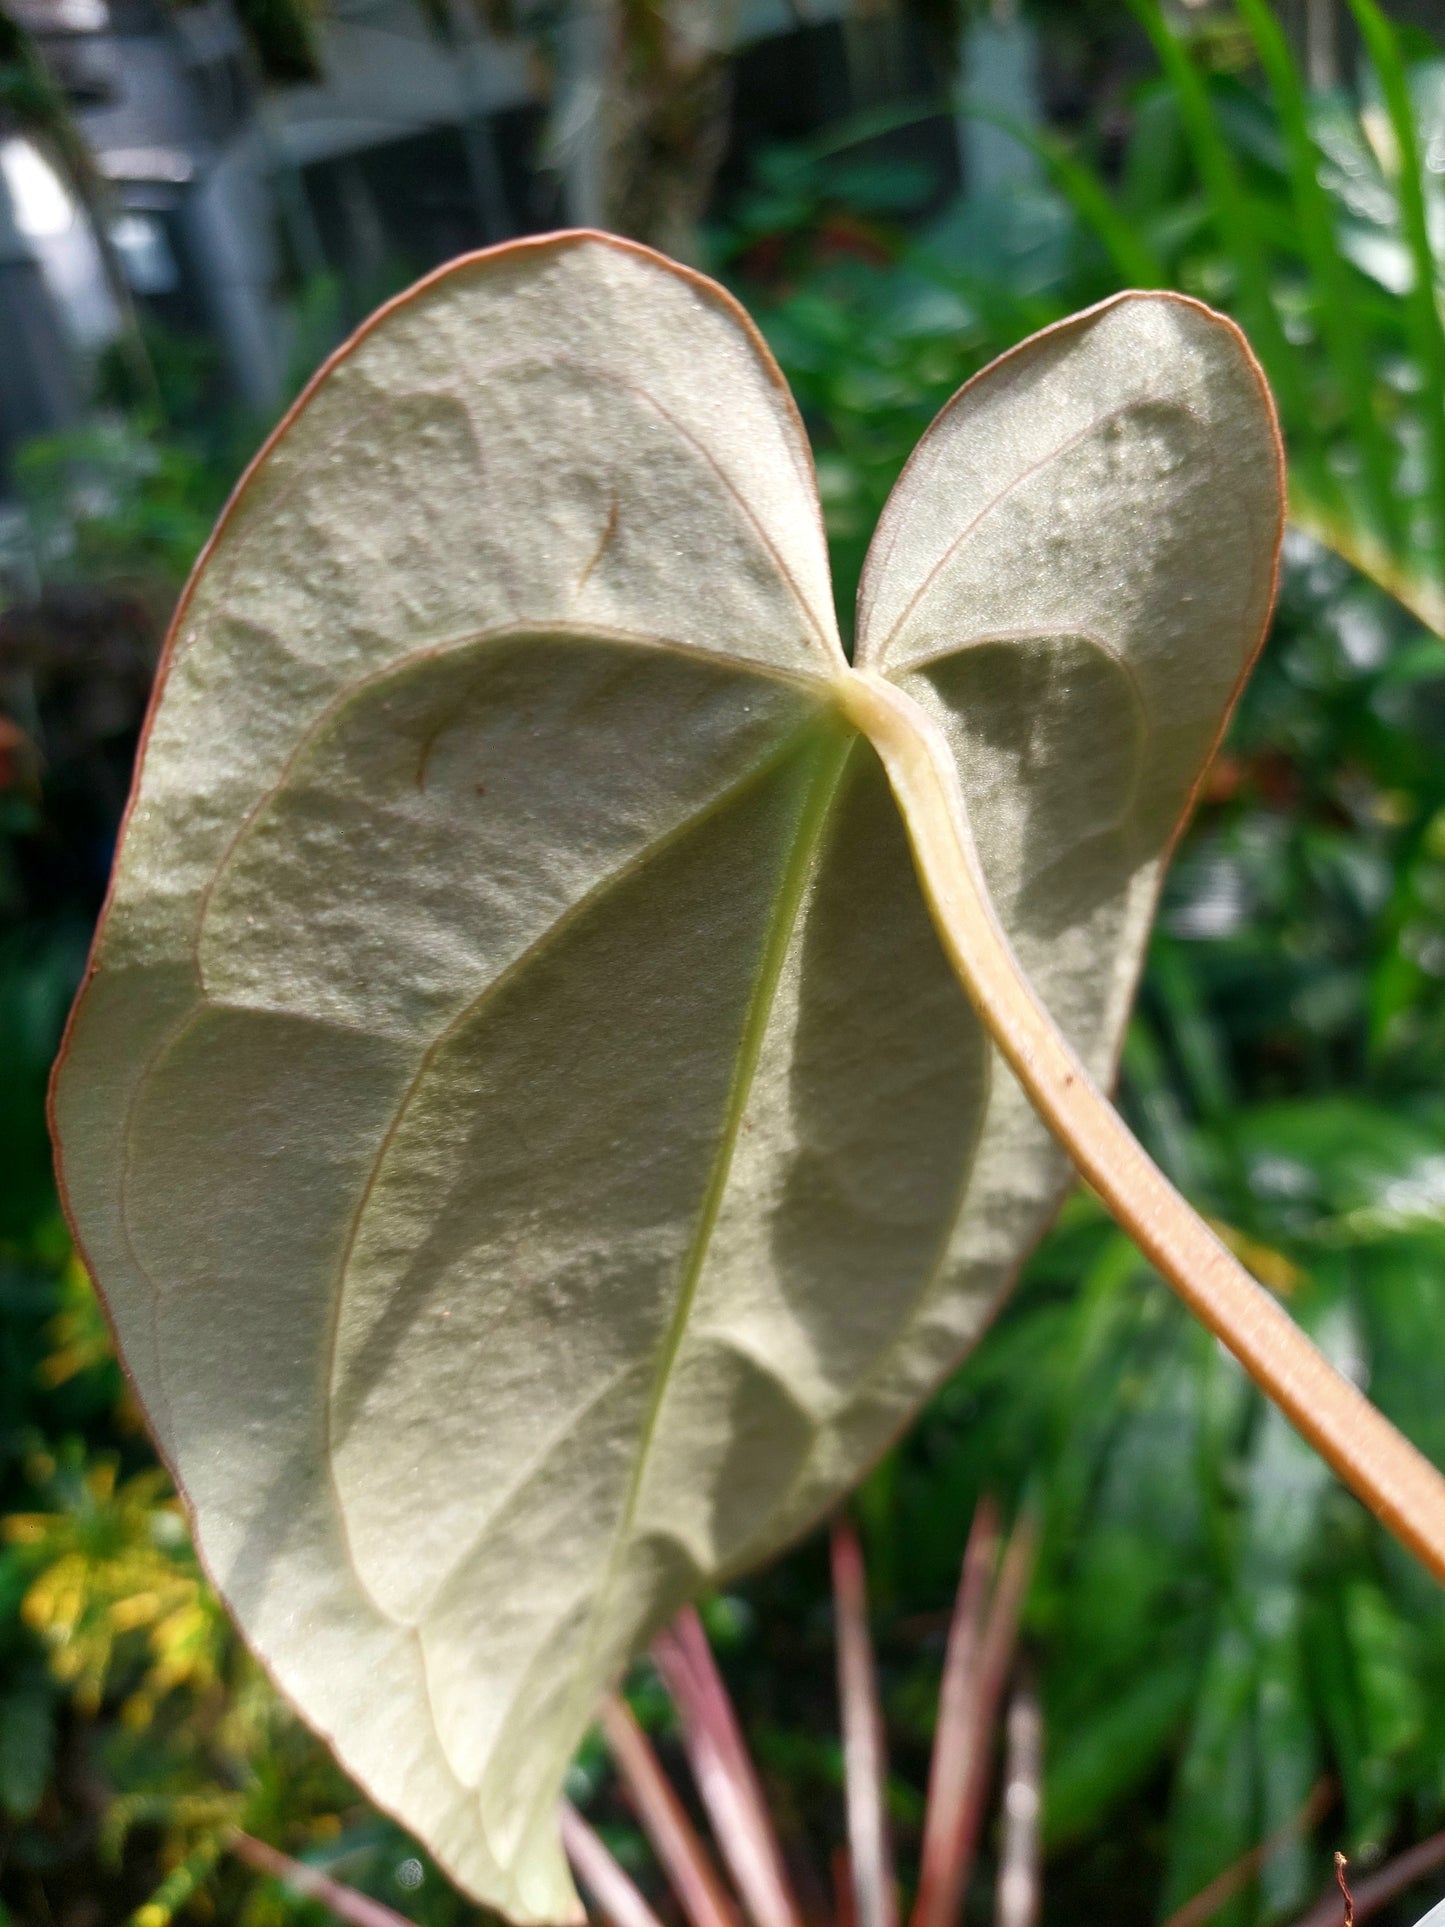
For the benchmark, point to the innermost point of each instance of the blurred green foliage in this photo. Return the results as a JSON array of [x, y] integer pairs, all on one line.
[[1217, 1628]]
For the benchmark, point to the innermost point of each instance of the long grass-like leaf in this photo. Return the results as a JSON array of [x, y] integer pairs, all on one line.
[[950, 1767], [1421, 303], [1381, 1887], [870, 1846], [1424, 598], [1232, 209], [612, 1892], [1084, 189], [1081, 185], [673, 1836], [1020, 1883], [724, 1772], [357, 1910], [1337, 308]]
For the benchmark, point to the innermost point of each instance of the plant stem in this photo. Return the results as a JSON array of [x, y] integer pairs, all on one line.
[[865, 1761], [357, 1909], [1239, 1873], [1398, 1484], [724, 1772], [613, 1894], [705, 1901], [1393, 1878], [1019, 1900], [945, 1876], [959, 1735]]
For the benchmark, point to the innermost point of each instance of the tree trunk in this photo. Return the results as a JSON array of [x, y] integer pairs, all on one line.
[[643, 120], [1322, 53]]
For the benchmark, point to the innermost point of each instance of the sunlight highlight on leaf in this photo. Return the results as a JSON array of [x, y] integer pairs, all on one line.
[[522, 1113]]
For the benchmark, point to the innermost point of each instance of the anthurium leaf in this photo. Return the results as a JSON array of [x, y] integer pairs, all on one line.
[[529, 1136]]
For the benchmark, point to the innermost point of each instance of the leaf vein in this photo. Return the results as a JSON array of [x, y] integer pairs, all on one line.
[[489, 992], [996, 501], [787, 905]]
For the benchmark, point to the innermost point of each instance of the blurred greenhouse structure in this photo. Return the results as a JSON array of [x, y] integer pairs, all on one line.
[[197, 162], [230, 165]]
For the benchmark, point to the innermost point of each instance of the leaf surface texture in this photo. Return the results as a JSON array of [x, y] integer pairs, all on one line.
[[520, 1116]]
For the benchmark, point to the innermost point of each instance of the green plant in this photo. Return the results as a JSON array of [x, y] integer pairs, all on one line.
[[1292, 981], [1310, 218], [1284, 1062], [1123, 472]]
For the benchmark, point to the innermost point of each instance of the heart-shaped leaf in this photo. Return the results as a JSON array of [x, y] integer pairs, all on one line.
[[528, 1133]]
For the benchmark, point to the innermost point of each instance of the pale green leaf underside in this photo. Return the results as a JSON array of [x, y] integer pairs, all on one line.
[[521, 1118]]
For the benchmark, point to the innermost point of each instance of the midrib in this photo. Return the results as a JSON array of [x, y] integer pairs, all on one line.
[[835, 744]]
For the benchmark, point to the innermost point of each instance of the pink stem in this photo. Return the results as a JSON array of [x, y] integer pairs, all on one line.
[[348, 1905], [864, 1761], [612, 1892], [724, 1772], [951, 1766], [667, 1826]]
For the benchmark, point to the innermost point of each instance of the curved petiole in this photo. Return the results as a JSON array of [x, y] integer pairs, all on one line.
[[1388, 1474]]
